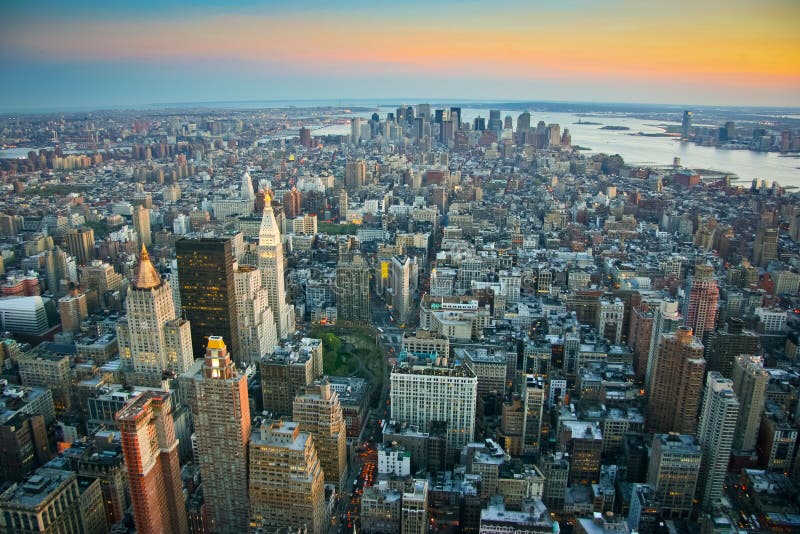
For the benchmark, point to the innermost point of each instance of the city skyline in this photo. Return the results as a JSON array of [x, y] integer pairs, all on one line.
[[86, 54]]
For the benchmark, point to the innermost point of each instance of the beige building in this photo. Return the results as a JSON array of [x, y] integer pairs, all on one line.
[[319, 413], [414, 510], [286, 484], [53, 500], [152, 339], [287, 371], [750, 384], [222, 429]]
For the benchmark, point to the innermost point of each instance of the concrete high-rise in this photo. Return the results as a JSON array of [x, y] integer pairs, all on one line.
[[257, 334], [151, 457], [722, 347], [436, 392], [674, 465], [152, 338], [80, 243], [285, 483], [271, 265], [666, 319], [319, 413], [400, 286], [355, 174], [141, 223], [701, 312], [686, 125], [222, 428], [715, 435], [355, 130], [208, 290], [533, 396], [352, 290], [750, 385], [674, 396], [765, 245]]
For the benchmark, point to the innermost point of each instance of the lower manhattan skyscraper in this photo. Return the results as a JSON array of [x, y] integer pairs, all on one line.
[[222, 429], [208, 291], [701, 312], [270, 263], [151, 457]]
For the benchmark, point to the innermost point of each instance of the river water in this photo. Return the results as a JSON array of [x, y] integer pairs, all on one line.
[[745, 164]]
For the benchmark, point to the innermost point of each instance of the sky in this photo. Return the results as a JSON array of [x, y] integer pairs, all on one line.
[[72, 54]]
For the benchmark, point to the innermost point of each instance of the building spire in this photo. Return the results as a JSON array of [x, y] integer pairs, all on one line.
[[269, 226], [146, 275]]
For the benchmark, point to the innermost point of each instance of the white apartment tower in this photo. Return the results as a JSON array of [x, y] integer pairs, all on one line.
[[270, 263]]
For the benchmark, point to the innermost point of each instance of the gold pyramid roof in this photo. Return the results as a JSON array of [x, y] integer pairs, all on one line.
[[146, 275]]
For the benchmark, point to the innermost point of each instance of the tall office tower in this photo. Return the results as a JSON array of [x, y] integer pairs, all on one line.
[[355, 174], [305, 137], [222, 428], [455, 116], [401, 274], [701, 314], [495, 122], [352, 290], [343, 201], [141, 223], [414, 508], [666, 319], [270, 263], [151, 457], [677, 382], [553, 135], [750, 385], [56, 263], [208, 290], [424, 112], [72, 309], [715, 434], [674, 466], [446, 131], [508, 123], [80, 243], [319, 413], [292, 203], [723, 346], [533, 396], [436, 392], [686, 125], [287, 371], [286, 483], [355, 130], [765, 245], [419, 128], [152, 338], [257, 334], [523, 133]]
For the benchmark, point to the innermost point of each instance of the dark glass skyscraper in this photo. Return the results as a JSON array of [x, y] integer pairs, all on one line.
[[208, 295]]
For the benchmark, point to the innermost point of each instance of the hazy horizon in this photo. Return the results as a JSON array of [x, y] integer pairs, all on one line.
[[89, 55]]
